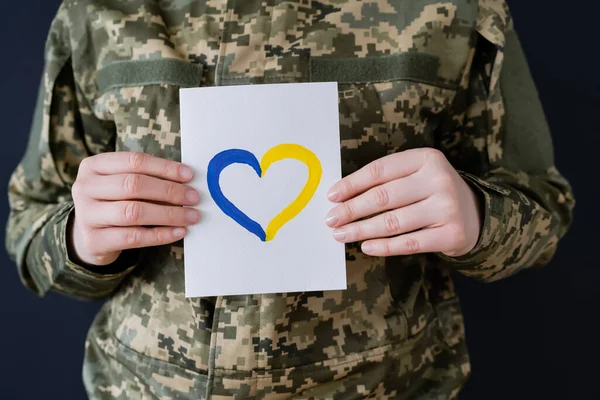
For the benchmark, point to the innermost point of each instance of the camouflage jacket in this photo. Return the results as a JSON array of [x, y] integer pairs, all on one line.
[[411, 73]]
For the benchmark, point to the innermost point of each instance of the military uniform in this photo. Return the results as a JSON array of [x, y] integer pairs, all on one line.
[[411, 73]]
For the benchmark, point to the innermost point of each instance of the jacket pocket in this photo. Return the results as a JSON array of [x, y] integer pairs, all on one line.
[[387, 103], [450, 321], [142, 98]]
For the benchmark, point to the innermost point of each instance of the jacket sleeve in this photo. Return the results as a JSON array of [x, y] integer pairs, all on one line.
[[39, 189], [500, 143]]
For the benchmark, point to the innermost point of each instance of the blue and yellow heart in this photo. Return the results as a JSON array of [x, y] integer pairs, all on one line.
[[280, 152]]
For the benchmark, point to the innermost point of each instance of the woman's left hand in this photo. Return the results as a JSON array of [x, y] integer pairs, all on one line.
[[423, 206]]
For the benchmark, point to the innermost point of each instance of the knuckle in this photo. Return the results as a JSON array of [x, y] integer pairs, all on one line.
[[136, 160], [451, 253], [170, 190], [444, 183], [79, 218], [133, 237], [412, 245], [431, 154], [158, 236], [177, 216], [375, 170], [85, 164], [347, 186], [349, 211], [132, 184], [89, 241], [391, 223], [355, 232], [101, 259], [132, 211], [82, 212], [170, 169], [381, 196], [458, 236], [170, 214], [386, 250], [449, 208], [77, 189]]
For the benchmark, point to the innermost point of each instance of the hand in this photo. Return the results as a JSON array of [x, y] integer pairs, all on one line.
[[426, 205], [118, 195]]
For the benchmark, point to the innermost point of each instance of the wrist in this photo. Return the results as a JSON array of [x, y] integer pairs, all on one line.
[[122, 261], [76, 247], [479, 200], [474, 216]]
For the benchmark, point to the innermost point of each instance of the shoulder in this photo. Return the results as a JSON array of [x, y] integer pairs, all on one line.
[[92, 33], [494, 20]]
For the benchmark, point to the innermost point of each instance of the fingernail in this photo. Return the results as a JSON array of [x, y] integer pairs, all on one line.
[[186, 172], [331, 220], [340, 235], [192, 196], [192, 215], [178, 232], [332, 195], [367, 247]]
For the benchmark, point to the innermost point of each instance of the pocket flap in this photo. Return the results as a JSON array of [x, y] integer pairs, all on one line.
[[148, 72], [411, 66]]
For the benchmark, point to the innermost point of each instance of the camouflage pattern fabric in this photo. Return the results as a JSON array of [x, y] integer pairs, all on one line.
[[411, 73]]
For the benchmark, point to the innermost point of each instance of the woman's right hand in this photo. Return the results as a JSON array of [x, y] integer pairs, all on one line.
[[126, 200]]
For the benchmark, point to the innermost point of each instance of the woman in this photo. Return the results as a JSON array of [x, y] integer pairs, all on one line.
[[448, 166]]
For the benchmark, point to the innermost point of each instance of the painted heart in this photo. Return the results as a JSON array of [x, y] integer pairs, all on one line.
[[280, 152]]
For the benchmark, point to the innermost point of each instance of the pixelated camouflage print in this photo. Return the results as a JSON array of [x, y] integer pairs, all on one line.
[[397, 332], [39, 189], [526, 213]]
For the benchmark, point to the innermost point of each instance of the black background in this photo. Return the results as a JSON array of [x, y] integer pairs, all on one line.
[[531, 336]]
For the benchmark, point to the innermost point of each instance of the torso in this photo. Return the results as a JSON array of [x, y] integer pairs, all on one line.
[[397, 331]]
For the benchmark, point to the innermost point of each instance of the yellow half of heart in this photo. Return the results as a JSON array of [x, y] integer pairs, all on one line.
[[302, 154]]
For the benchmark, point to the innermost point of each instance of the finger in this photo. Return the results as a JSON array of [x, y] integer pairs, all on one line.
[[140, 187], [116, 239], [383, 170], [137, 163], [424, 241], [391, 195], [392, 223], [138, 213]]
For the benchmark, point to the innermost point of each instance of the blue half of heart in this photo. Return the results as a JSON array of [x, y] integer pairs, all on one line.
[[218, 163]]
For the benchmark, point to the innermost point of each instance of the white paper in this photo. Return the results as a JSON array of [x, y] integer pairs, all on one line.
[[223, 258]]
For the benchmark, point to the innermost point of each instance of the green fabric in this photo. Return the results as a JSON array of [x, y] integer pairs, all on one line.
[[406, 66], [32, 168], [138, 73], [527, 138]]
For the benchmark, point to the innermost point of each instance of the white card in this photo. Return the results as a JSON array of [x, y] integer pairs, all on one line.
[[264, 158]]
